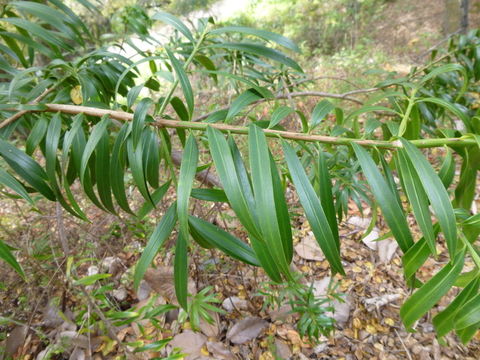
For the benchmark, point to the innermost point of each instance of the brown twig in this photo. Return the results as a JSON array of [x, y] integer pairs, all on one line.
[[124, 116], [35, 101]]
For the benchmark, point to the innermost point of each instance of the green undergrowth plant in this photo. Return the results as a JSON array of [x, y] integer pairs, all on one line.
[[314, 310], [75, 124]]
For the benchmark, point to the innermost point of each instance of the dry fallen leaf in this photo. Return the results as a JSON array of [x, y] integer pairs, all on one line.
[[219, 351], [359, 221], [282, 349], [246, 330], [370, 239], [308, 248], [387, 249], [190, 343], [161, 281], [15, 339], [210, 330]]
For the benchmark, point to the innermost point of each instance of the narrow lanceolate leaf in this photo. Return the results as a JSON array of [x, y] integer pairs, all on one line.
[[245, 99], [260, 50], [222, 240], [236, 185], [9, 181], [386, 199], [27, 168], [138, 122], [264, 196], [326, 196], [279, 114], [281, 209], [157, 196], [93, 140], [416, 256], [52, 140], [155, 242], [431, 292], [135, 159], [436, 193], [102, 172], [36, 135], [313, 210], [180, 269], [7, 256], [469, 314], [183, 78], [447, 171], [417, 197], [266, 35], [175, 22], [222, 157], [320, 111], [188, 169], [444, 321]]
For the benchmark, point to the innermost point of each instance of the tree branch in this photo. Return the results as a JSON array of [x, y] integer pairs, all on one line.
[[124, 116]]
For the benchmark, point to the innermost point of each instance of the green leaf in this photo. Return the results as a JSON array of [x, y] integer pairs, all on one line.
[[416, 255], [180, 269], [215, 195], [245, 99], [313, 209], [7, 256], [157, 196], [279, 114], [320, 111], [444, 321], [91, 279], [8, 180], [436, 193], [264, 196], [155, 242], [94, 139], [222, 240], [447, 171], [135, 158], [386, 199], [188, 169], [117, 167], [222, 157], [138, 122], [445, 69], [450, 107], [183, 78], [266, 35], [208, 64], [326, 195], [175, 22], [236, 185], [26, 168], [260, 50], [418, 198], [469, 314], [36, 135], [430, 293], [281, 209]]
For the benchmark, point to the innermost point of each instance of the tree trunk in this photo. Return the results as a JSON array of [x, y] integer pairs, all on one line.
[[464, 20]]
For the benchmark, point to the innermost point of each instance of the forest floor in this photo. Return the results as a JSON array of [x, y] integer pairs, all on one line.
[[50, 312]]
